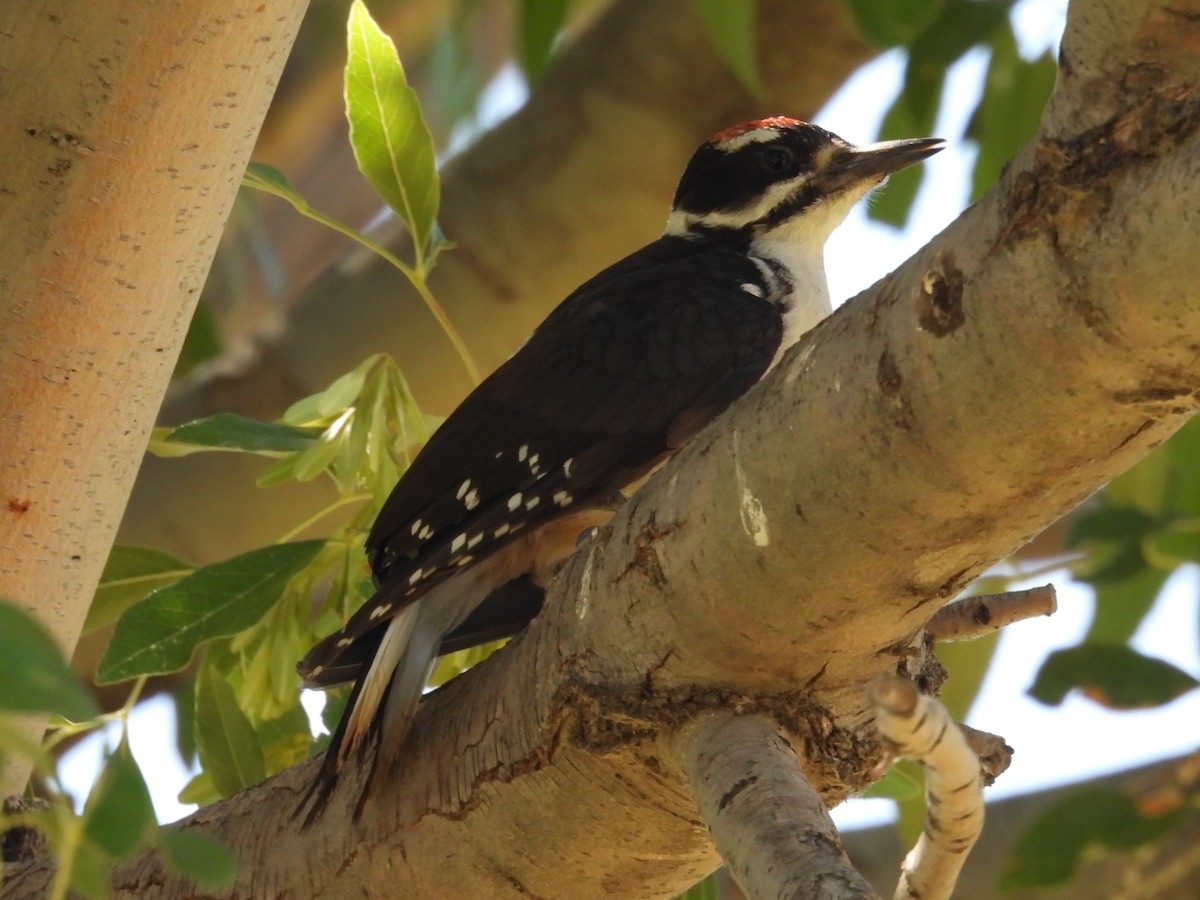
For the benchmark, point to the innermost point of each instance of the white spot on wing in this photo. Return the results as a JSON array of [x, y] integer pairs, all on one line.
[[752, 289], [416, 576], [456, 544], [345, 642], [533, 501], [514, 501], [522, 453], [415, 527], [472, 499], [462, 489], [562, 498], [501, 530], [378, 612], [474, 541], [567, 467], [465, 559], [426, 533], [754, 519]]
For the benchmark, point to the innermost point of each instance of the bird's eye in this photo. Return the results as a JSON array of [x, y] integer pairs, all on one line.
[[777, 159]]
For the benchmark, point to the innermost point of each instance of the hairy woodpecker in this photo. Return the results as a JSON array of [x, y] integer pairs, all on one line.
[[616, 379]]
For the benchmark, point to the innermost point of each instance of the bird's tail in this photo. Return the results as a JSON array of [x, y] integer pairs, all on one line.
[[397, 708], [357, 731], [381, 707]]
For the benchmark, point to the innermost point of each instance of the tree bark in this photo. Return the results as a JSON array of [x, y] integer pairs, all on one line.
[[124, 142], [1042, 344]]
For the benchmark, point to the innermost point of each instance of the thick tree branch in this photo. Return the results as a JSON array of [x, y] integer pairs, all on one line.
[[903, 447], [773, 830]]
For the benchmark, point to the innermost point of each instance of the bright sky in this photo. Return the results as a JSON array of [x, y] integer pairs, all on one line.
[[1053, 745]]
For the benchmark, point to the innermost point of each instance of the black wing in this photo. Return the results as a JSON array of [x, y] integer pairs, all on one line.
[[620, 375]]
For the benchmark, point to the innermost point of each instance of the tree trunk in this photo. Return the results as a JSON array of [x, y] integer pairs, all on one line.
[[126, 134]]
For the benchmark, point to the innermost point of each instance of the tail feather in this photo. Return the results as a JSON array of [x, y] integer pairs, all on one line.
[[398, 707], [384, 700], [375, 684], [356, 726]]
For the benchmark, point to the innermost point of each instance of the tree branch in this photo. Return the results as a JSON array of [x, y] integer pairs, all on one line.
[[916, 726], [773, 830], [982, 614]]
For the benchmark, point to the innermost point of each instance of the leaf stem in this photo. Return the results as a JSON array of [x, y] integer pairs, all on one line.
[[321, 513], [414, 275]]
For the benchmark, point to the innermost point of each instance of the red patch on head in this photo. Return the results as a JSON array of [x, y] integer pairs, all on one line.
[[772, 122]]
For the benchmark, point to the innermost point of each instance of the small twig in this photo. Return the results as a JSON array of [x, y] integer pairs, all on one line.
[[768, 823], [919, 727], [975, 616], [995, 756]]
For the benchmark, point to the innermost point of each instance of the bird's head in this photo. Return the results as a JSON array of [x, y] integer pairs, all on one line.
[[782, 178]]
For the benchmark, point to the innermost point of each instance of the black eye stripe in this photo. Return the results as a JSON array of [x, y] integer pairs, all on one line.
[[777, 159]]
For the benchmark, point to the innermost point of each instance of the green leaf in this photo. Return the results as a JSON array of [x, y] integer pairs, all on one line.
[[1174, 544], [1010, 107], [1048, 851], [229, 749], [897, 784], [896, 22], [960, 26], [1110, 523], [34, 677], [391, 142], [730, 26], [318, 456], [228, 431], [335, 399], [1147, 486], [119, 815], [159, 634], [285, 739], [1184, 451], [183, 699], [1114, 676], [194, 853], [1122, 603], [91, 869], [129, 575], [266, 178], [200, 790], [540, 23]]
